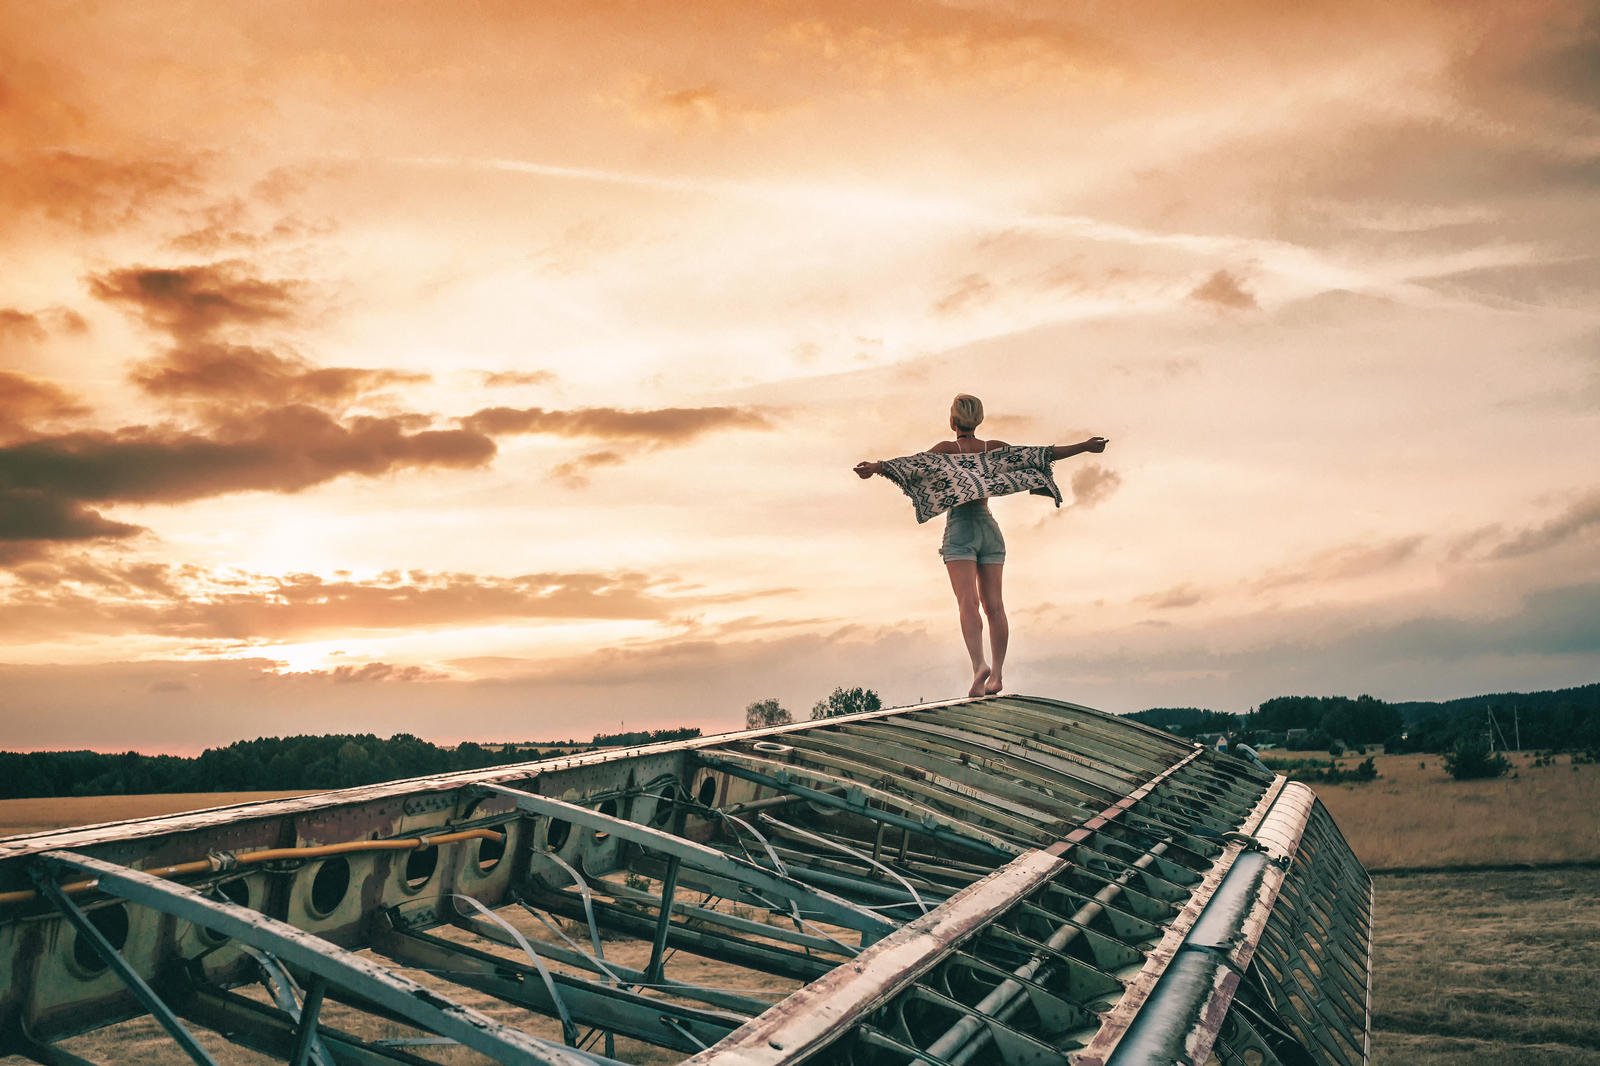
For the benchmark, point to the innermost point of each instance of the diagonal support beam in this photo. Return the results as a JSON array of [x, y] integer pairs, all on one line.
[[834, 909], [44, 878], [370, 980]]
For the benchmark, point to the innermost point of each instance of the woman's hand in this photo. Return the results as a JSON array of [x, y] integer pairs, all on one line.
[[866, 470], [1095, 444]]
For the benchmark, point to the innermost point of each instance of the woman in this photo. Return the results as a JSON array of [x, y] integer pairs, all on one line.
[[973, 550]]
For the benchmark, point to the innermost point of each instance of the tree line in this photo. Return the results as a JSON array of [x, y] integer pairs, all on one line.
[[1553, 720], [277, 764]]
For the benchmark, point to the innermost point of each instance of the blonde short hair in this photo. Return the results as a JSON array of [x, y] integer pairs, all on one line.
[[966, 412]]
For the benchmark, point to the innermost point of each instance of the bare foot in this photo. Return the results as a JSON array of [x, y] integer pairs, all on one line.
[[993, 685], [977, 681]]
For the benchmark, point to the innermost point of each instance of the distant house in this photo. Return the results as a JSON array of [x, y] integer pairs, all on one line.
[[1294, 734]]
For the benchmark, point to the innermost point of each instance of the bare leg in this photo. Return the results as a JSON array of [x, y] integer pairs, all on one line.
[[964, 582], [999, 628]]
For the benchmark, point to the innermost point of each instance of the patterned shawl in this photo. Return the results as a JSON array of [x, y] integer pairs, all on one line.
[[937, 481]]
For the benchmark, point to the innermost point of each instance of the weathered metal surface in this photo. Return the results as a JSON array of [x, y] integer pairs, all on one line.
[[1004, 879]]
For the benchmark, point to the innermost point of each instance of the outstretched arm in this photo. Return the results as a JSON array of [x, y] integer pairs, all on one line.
[[866, 470], [1061, 451]]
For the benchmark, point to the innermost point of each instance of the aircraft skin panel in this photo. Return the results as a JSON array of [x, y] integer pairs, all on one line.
[[1011, 879]]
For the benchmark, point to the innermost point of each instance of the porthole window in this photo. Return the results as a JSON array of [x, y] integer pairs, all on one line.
[[490, 852], [420, 865], [112, 922], [236, 892], [669, 796], [609, 809], [329, 886], [555, 835]]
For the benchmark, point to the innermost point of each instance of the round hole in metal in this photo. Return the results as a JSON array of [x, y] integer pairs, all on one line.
[[555, 837], [420, 865], [669, 796], [609, 809], [708, 791], [330, 885], [236, 892], [112, 922], [490, 851]]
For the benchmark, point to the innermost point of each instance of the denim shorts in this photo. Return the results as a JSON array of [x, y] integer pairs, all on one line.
[[970, 532]]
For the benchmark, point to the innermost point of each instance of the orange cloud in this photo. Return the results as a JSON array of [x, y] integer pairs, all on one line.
[[46, 482], [512, 378], [25, 402], [193, 302], [231, 373], [667, 425], [1222, 289], [47, 597]]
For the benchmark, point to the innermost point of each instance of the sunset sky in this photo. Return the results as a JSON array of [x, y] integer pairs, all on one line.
[[495, 371]]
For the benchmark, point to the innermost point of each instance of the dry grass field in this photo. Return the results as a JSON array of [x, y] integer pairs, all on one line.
[[1487, 968], [18, 816], [1415, 815]]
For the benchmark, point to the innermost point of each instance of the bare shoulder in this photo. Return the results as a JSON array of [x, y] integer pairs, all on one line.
[[944, 446], [994, 445]]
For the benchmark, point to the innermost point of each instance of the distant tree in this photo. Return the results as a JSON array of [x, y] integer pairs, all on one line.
[[763, 714], [1471, 759], [846, 701], [1363, 720]]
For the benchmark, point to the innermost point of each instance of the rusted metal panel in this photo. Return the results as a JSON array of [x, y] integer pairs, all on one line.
[[1000, 879]]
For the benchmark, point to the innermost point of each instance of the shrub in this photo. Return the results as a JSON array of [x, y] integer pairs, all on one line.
[[1472, 760]]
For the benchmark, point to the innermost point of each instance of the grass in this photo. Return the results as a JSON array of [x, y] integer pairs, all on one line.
[[1481, 968], [1415, 815]]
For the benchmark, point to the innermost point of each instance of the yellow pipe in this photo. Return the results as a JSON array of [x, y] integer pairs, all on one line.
[[76, 888]]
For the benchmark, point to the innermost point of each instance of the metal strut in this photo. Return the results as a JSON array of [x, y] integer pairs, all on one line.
[[45, 879], [421, 1006]]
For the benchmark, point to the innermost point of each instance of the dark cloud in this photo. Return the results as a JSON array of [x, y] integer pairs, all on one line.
[[663, 426], [1222, 289], [37, 326], [26, 402], [367, 673], [45, 482], [1344, 563], [1178, 596], [90, 192], [510, 378], [38, 515], [1093, 484], [235, 373], [18, 325], [1577, 518], [574, 473], [194, 302], [61, 596], [969, 291]]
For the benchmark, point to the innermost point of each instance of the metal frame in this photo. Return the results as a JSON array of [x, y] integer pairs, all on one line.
[[422, 1006], [1032, 882]]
